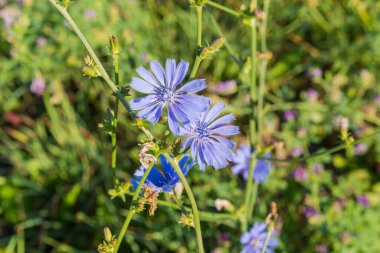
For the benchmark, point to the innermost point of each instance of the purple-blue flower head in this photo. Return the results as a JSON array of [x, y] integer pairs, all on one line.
[[162, 89], [254, 239], [242, 162], [207, 145], [165, 179]]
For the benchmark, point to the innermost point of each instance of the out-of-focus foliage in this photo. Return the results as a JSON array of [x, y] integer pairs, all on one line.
[[54, 161]]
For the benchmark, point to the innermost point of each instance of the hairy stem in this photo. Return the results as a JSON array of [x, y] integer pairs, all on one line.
[[199, 26], [131, 208], [223, 8], [198, 59], [263, 70], [103, 72], [252, 125], [196, 66], [263, 250], [193, 203], [115, 119]]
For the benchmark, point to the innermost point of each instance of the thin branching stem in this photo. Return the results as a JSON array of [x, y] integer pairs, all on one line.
[[198, 58], [263, 250], [132, 210], [223, 8], [115, 118], [252, 125], [193, 203], [103, 72], [263, 72]]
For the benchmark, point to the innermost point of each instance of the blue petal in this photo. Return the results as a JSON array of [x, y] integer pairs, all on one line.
[[201, 159], [156, 178], [214, 112], [170, 71], [222, 121], [224, 141], [142, 102], [158, 71], [148, 76], [213, 157], [193, 103], [186, 164], [226, 130], [164, 163], [180, 72], [187, 143], [141, 86], [193, 86], [178, 113], [152, 113], [173, 123]]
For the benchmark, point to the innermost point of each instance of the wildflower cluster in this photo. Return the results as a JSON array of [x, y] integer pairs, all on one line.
[[189, 115]]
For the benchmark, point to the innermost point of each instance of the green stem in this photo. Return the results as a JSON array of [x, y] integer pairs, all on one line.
[[228, 46], [266, 242], [193, 203], [252, 126], [263, 70], [199, 26], [131, 208], [252, 201], [196, 66], [223, 8], [115, 119], [198, 59], [248, 194], [105, 76]]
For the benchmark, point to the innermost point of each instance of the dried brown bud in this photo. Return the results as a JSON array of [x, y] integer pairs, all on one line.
[[144, 157], [272, 217], [114, 45]]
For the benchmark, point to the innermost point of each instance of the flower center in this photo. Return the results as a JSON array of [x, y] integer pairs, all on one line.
[[165, 95], [202, 130], [255, 243]]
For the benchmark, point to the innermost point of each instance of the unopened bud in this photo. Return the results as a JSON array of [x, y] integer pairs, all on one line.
[[91, 71], [114, 45], [209, 51], [218, 43], [107, 234], [187, 220], [197, 3], [87, 60], [65, 3], [272, 217]]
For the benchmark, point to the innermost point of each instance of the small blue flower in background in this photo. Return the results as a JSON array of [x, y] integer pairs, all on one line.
[[163, 181], [206, 144], [162, 89], [254, 239], [242, 161]]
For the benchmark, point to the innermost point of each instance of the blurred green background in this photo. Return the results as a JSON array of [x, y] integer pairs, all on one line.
[[55, 161]]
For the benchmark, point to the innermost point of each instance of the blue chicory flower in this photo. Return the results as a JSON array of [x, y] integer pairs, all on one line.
[[206, 144], [163, 90], [242, 162], [254, 239], [165, 180]]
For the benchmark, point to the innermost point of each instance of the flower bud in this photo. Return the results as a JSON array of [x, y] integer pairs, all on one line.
[[91, 71], [65, 3], [197, 3], [87, 60], [218, 43], [114, 45], [209, 51], [107, 234]]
